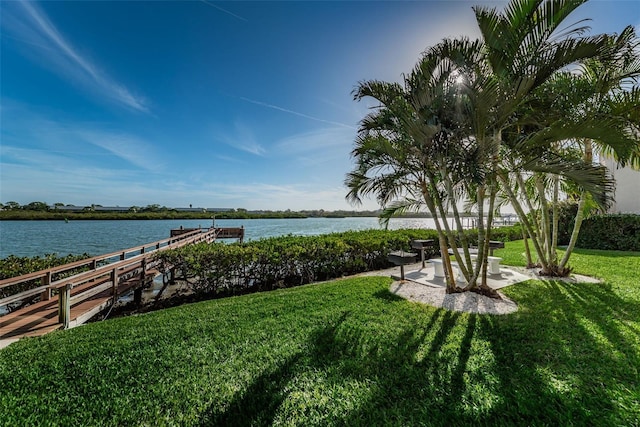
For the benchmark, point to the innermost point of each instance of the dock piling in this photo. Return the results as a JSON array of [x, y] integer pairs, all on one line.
[[64, 305]]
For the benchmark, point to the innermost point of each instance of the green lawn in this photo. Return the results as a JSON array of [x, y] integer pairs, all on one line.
[[347, 353]]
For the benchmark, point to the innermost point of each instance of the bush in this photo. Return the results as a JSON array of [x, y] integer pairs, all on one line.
[[503, 234], [13, 266], [230, 269], [619, 232]]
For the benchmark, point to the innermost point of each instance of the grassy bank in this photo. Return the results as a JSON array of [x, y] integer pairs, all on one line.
[[347, 353]]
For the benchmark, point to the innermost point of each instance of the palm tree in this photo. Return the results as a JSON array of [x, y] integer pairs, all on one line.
[[607, 79], [524, 51], [467, 121], [593, 107], [394, 155]]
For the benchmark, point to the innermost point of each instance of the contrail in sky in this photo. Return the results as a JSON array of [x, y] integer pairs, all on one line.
[[224, 10], [38, 30], [275, 107]]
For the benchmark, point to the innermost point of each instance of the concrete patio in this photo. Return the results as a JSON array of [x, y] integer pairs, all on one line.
[[426, 276]]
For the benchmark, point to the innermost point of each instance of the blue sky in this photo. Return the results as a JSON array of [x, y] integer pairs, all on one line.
[[215, 104]]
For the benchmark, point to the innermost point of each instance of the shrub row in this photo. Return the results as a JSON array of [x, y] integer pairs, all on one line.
[[219, 269], [13, 266], [619, 232]]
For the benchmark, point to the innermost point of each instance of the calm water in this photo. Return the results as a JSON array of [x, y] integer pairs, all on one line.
[[31, 238]]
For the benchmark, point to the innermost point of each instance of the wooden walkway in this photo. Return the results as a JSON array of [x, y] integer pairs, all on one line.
[[83, 295]]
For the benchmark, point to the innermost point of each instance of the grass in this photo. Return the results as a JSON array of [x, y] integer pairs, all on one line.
[[347, 352]]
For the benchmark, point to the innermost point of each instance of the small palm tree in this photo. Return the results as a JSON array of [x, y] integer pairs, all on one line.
[[576, 111], [394, 155], [607, 78]]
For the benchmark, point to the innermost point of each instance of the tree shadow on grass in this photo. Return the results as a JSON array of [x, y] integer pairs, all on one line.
[[387, 295], [565, 359], [419, 378], [347, 351], [258, 404]]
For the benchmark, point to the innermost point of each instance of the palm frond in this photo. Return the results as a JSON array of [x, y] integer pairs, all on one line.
[[382, 91], [399, 207], [592, 178]]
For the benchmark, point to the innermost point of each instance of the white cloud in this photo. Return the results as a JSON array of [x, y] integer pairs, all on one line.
[[261, 195], [134, 150], [228, 158], [319, 146], [80, 143], [30, 175], [25, 22], [242, 138], [318, 139]]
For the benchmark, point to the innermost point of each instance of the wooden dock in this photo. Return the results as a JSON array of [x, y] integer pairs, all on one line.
[[81, 296], [221, 233]]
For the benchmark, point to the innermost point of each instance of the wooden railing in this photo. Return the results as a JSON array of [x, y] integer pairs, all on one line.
[[120, 266], [230, 233]]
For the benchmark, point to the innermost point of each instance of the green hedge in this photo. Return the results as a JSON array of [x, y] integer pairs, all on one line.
[[220, 269], [619, 232], [13, 266], [503, 234]]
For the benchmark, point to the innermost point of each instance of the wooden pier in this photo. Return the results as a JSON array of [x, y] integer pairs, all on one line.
[[83, 295], [221, 233]]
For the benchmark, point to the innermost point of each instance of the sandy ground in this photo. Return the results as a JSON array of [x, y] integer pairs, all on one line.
[[469, 302]]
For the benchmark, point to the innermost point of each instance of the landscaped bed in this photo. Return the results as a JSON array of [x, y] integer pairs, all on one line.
[[347, 352]]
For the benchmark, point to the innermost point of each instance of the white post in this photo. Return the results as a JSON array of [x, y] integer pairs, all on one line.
[[64, 305]]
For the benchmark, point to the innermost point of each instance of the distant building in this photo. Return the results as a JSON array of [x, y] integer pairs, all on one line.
[[111, 209], [219, 209], [203, 209], [627, 190], [67, 208], [189, 209]]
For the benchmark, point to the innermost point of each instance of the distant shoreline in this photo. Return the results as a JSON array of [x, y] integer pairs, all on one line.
[[89, 216]]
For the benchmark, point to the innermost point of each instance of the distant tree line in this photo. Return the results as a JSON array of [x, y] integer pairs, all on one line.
[[39, 210]]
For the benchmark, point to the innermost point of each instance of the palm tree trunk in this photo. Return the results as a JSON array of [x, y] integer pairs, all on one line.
[[554, 216], [450, 242], [527, 250], [431, 203], [481, 231], [574, 234], [536, 237], [466, 267], [588, 157], [546, 223], [523, 219], [449, 234], [487, 237]]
